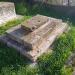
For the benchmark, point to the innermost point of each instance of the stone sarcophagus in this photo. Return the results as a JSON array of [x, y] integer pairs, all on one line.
[[34, 36]]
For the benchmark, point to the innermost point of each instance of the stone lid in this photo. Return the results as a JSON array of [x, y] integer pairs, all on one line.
[[6, 4], [35, 22]]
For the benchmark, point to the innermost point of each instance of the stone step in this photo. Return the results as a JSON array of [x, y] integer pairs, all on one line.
[[33, 39], [35, 22], [48, 41], [42, 48]]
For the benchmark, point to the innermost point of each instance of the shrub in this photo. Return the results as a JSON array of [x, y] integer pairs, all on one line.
[[21, 8], [66, 71]]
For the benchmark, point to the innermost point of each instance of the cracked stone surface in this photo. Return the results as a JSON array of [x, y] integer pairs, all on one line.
[[35, 22], [32, 39], [34, 43]]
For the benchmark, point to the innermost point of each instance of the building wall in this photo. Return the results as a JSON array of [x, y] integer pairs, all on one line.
[[72, 2], [59, 2]]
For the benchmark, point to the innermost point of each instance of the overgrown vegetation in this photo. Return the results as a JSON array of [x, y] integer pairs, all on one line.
[[63, 47], [11, 24], [12, 63]]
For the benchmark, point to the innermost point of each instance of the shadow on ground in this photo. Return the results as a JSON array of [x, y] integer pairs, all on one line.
[[9, 57]]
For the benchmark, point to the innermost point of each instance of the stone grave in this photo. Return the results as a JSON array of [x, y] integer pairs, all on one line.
[[33, 37], [7, 12]]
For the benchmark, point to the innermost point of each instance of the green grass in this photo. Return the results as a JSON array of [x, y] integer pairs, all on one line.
[[13, 63], [11, 24], [10, 59], [63, 47]]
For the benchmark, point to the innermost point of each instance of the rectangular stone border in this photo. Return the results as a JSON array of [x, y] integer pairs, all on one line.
[[34, 54]]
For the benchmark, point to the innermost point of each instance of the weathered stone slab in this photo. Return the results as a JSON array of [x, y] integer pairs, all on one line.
[[42, 48], [34, 43], [7, 12], [31, 40], [35, 22], [7, 9]]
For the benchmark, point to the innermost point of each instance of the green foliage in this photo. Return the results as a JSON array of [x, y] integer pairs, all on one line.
[[12, 63], [66, 71], [72, 32], [11, 24], [21, 8], [10, 60], [54, 62]]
